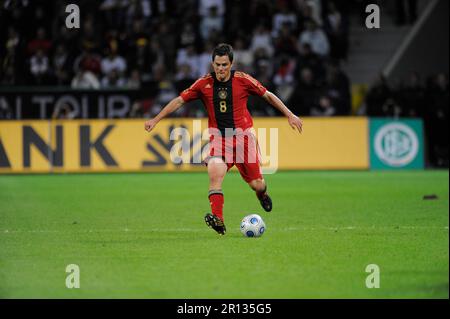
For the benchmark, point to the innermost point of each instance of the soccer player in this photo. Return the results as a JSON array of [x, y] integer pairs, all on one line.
[[225, 93]]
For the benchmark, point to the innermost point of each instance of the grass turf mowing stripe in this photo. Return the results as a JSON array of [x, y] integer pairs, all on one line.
[[143, 236]]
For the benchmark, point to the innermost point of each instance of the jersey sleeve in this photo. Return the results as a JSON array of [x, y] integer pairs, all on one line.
[[254, 87], [193, 92]]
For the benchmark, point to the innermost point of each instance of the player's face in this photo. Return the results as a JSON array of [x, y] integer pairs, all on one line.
[[222, 67]]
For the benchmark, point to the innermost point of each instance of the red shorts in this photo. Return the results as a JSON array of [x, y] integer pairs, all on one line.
[[241, 150]]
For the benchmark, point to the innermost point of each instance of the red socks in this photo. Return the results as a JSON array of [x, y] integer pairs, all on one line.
[[216, 201]]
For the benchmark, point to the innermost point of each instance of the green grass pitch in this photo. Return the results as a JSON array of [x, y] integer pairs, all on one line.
[[143, 236]]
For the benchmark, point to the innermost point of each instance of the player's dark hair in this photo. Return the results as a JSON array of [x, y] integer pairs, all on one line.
[[223, 49]]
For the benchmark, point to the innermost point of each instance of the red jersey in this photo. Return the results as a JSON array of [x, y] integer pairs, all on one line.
[[225, 102]]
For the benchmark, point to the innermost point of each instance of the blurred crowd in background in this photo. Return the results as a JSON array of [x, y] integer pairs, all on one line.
[[417, 98], [293, 47]]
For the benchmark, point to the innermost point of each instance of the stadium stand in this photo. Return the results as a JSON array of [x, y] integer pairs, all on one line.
[[315, 54]]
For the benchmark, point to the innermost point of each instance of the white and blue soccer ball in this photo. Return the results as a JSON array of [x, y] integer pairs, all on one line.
[[253, 226]]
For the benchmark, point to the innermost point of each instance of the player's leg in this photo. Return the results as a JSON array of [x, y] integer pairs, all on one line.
[[250, 170], [260, 187], [216, 172], [251, 173]]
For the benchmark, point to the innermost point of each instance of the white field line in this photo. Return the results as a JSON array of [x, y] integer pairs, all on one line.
[[165, 230]]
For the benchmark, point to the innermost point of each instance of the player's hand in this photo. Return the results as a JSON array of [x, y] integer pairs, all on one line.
[[295, 122], [150, 125]]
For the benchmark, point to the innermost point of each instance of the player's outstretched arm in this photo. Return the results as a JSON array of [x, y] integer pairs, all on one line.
[[172, 106], [294, 121]]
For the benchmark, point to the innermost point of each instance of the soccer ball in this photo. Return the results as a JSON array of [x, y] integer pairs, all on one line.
[[252, 226]]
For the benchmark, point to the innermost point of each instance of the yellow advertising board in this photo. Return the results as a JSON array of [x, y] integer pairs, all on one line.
[[174, 145]]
